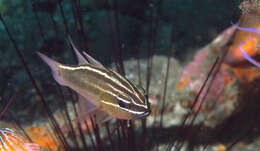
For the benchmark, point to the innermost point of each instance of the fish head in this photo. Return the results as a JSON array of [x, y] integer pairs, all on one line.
[[143, 104], [129, 105]]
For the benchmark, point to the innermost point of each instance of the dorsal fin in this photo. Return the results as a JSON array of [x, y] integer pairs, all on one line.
[[81, 59], [92, 60]]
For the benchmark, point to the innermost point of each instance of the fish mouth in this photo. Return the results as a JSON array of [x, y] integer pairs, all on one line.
[[145, 114]]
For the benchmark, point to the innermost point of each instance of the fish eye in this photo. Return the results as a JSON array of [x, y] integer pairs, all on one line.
[[121, 104]]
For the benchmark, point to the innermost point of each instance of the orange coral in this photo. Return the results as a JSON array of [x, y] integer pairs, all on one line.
[[234, 55], [250, 18], [41, 136], [183, 82], [246, 74], [250, 47], [227, 80]]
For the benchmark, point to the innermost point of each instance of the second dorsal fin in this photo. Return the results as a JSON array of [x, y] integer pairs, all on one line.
[[92, 60], [82, 59]]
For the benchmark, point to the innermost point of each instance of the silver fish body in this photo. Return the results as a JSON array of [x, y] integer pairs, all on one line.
[[105, 88]]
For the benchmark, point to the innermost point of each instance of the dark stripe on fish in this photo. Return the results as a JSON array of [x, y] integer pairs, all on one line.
[[113, 80]]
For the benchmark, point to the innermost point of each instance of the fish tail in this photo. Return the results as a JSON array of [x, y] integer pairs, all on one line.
[[54, 67]]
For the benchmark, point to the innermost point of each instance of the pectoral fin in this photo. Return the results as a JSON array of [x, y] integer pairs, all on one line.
[[85, 105], [101, 117], [89, 109]]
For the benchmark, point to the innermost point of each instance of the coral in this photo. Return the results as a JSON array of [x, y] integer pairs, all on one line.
[[249, 19], [248, 41], [246, 74], [40, 136], [205, 58], [223, 90]]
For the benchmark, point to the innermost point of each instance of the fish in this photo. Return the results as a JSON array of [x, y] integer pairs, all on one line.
[[100, 89], [250, 59], [11, 141]]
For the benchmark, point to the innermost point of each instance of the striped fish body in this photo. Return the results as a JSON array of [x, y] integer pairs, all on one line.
[[11, 141], [106, 89]]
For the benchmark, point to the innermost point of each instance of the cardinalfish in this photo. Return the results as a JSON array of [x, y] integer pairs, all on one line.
[[249, 58], [11, 141], [100, 89]]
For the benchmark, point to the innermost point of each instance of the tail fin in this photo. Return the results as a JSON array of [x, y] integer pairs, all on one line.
[[54, 67]]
